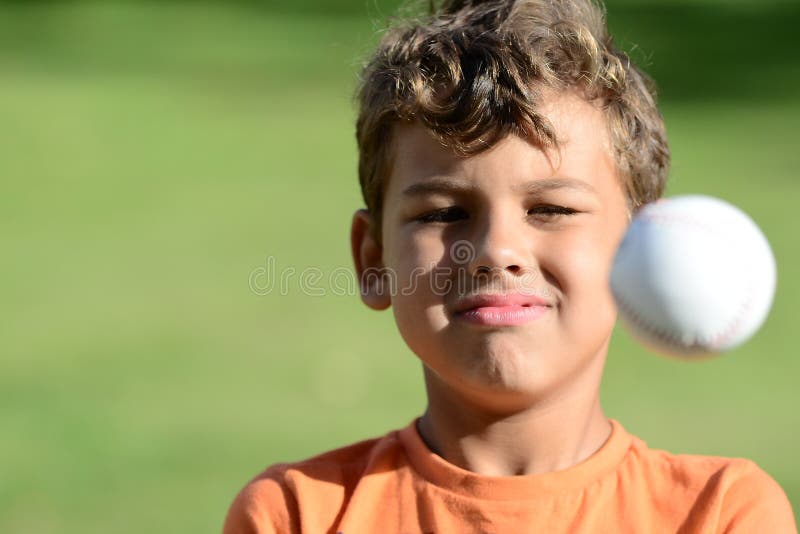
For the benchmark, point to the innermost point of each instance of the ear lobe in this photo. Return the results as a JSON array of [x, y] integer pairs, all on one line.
[[368, 261]]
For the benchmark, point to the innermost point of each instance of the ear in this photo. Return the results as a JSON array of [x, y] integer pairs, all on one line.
[[368, 261]]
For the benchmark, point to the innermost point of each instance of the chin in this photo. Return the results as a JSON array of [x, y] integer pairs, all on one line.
[[507, 393], [500, 366]]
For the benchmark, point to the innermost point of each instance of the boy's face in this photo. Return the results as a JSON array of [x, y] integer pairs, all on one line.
[[513, 220]]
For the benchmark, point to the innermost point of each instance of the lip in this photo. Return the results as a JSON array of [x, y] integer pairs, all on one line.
[[509, 309]]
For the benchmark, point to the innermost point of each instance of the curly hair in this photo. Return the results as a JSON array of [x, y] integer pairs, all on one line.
[[473, 72]]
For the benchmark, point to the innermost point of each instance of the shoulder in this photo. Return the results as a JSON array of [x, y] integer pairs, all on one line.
[[271, 501], [737, 492], [263, 506]]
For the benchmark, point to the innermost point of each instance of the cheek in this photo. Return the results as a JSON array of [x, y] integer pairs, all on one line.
[[420, 319], [421, 270], [580, 265], [418, 287], [412, 251]]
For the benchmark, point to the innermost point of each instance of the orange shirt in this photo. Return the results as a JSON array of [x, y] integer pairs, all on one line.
[[395, 484]]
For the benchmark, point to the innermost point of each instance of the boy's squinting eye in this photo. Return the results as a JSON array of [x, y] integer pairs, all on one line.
[[544, 212], [444, 215], [550, 212]]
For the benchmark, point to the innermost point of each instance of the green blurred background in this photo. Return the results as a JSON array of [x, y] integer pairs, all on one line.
[[154, 154]]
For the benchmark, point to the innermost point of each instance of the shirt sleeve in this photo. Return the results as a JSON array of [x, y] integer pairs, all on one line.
[[756, 503], [264, 506]]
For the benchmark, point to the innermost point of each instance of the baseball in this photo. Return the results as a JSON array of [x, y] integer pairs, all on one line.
[[693, 275]]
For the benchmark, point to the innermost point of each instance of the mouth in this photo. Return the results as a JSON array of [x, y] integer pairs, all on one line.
[[501, 309]]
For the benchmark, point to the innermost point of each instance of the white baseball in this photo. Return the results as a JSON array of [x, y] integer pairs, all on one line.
[[693, 275]]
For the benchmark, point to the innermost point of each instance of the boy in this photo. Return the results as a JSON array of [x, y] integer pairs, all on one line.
[[503, 148]]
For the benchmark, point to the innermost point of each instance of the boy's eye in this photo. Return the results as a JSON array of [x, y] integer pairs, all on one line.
[[550, 212], [450, 214]]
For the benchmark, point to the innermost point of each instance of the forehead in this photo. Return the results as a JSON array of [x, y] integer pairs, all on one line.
[[583, 153]]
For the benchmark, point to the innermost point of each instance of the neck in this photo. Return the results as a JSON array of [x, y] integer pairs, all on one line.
[[540, 436]]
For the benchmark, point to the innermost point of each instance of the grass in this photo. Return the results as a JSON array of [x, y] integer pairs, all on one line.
[[156, 154]]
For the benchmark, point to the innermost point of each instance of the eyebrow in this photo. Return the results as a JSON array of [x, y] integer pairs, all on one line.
[[437, 185], [549, 184], [533, 187]]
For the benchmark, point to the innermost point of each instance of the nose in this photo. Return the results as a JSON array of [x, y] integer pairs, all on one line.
[[499, 246]]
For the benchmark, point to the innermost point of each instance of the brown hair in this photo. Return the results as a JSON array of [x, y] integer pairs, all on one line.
[[473, 72]]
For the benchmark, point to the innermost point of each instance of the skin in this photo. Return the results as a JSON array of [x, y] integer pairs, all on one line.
[[503, 400]]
